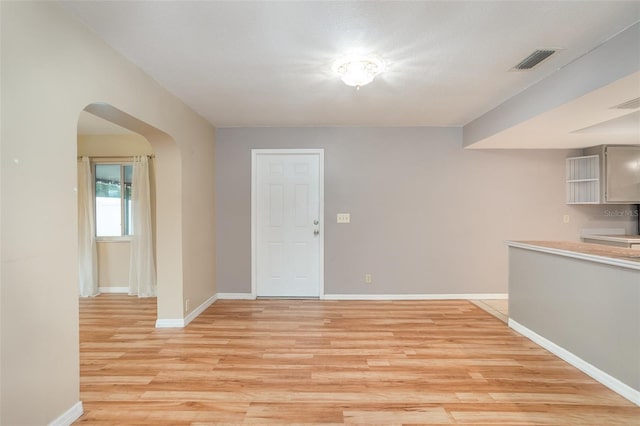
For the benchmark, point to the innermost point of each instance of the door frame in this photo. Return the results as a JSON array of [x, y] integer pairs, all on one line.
[[254, 213]]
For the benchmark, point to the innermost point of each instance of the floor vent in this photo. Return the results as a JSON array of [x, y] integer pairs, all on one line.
[[534, 59]]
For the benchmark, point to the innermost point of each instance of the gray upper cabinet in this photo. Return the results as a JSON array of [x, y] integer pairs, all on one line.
[[606, 174], [622, 171]]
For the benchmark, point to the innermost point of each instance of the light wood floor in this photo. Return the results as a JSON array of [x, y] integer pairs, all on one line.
[[499, 308], [305, 361]]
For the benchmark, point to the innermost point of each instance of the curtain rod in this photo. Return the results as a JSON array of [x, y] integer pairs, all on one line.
[[114, 156]]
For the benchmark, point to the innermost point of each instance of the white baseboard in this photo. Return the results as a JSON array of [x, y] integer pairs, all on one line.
[[200, 309], [170, 323], [236, 296], [180, 322], [609, 381], [68, 417], [124, 290], [484, 296], [487, 296], [474, 296]]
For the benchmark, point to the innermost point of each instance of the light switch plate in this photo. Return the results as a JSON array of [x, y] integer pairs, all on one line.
[[344, 217]]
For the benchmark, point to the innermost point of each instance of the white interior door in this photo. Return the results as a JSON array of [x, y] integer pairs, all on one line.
[[287, 228]]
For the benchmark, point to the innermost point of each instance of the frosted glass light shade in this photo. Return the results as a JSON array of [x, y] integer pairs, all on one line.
[[358, 71]]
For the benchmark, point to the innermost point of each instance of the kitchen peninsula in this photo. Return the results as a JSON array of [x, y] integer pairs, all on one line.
[[580, 301]]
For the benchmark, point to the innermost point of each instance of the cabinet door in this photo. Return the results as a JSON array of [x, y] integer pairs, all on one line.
[[623, 174]]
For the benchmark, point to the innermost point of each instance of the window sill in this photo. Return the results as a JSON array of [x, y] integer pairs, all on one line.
[[126, 239]]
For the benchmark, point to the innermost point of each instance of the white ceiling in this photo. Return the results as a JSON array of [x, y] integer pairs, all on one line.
[[270, 63]]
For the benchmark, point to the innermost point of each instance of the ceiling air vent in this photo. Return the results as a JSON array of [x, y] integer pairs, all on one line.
[[534, 59], [631, 104]]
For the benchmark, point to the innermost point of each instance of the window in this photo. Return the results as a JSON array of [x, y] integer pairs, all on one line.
[[113, 200]]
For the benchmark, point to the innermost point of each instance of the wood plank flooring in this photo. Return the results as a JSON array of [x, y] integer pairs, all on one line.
[[327, 362]]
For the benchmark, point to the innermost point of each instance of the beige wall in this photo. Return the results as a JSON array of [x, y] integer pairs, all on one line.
[[113, 145], [52, 67], [113, 263], [426, 215]]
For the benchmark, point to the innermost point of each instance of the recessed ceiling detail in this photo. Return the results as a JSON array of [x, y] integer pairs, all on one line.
[[534, 59], [630, 104], [627, 125]]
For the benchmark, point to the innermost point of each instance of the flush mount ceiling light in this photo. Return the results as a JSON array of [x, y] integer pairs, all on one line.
[[358, 71]]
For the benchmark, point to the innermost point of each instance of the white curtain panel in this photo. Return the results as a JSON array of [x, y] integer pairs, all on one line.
[[142, 272], [87, 252]]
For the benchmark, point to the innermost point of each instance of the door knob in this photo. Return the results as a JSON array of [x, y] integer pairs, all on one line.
[[316, 232], [315, 222]]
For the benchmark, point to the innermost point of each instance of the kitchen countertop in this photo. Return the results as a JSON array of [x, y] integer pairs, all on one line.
[[627, 239], [617, 256]]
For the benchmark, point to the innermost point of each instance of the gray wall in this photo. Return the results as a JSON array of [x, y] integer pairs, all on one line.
[[427, 217], [590, 309]]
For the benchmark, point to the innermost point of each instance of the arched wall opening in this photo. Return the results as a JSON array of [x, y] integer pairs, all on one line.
[[167, 188]]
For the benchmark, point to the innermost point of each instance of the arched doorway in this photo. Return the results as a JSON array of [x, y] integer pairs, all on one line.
[[166, 172]]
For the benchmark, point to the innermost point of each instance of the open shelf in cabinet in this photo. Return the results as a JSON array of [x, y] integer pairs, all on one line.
[[583, 180]]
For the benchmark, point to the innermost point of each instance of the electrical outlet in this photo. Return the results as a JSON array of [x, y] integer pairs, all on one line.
[[186, 305], [566, 218], [368, 279]]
